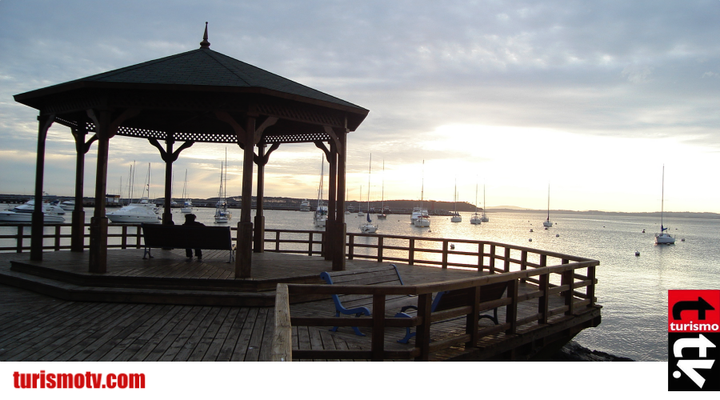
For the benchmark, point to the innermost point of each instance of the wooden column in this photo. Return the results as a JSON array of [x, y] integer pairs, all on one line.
[[331, 230], [105, 127], [169, 156], [99, 222], [341, 229], [259, 233], [77, 235], [36, 238], [243, 260], [167, 211], [261, 160]]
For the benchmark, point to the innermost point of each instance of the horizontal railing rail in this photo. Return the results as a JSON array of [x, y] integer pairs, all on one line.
[[575, 292]]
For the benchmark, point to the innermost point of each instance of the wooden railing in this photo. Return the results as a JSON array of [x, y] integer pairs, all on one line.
[[574, 293], [57, 237]]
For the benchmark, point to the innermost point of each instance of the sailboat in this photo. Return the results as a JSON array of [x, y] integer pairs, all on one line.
[[222, 215], [187, 203], [382, 214], [547, 222], [476, 219], [456, 217], [368, 227], [141, 212], [663, 237], [484, 217], [321, 212], [420, 217]]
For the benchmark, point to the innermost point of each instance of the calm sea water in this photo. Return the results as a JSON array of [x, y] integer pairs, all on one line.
[[632, 289]]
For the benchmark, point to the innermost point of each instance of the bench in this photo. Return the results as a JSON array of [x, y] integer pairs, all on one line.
[[186, 237], [361, 304], [450, 299]]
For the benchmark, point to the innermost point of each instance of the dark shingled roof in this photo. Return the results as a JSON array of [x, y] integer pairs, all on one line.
[[205, 67]]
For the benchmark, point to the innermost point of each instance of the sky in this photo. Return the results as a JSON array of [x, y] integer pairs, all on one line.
[[583, 100]]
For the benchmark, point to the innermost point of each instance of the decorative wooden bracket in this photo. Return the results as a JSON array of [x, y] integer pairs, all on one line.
[[170, 157], [266, 157]]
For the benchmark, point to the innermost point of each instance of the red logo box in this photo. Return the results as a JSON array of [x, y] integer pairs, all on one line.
[[694, 311]]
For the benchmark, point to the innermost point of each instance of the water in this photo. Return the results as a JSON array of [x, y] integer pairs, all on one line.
[[632, 290]]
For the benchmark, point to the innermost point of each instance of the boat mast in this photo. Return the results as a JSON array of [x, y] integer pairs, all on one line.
[[662, 201], [369, 175], [548, 214]]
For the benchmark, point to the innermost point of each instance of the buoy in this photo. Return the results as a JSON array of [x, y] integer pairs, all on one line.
[[530, 240], [682, 240], [531, 230], [452, 246], [557, 235], [643, 230], [637, 253]]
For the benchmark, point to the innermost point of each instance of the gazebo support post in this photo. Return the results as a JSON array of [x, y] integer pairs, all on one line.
[[105, 128], [77, 235], [99, 222], [169, 156], [36, 238], [243, 259], [259, 234], [167, 212], [261, 160], [339, 229]]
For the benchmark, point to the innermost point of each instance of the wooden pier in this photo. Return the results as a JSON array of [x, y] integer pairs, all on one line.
[[169, 308]]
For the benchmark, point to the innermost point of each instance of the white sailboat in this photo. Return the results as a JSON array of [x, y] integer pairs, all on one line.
[[476, 219], [456, 217], [368, 226], [547, 222], [143, 211], [382, 214], [420, 217], [187, 203], [484, 217], [663, 237], [222, 215], [321, 212]]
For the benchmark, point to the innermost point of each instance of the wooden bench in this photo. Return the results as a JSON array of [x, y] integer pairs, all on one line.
[[448, 300], [186, 237], [361, 304]]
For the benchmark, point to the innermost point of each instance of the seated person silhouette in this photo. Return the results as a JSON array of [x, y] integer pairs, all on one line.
[[190, 221]]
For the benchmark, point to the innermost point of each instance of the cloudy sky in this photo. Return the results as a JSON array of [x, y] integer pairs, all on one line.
[[590, 98]]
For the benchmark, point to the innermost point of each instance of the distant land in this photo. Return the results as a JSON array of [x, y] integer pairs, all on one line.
[[394, 206]]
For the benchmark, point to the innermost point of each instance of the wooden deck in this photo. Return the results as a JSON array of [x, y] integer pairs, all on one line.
[[81, 316]]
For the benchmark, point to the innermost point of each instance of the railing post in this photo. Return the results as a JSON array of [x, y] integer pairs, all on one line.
[[523, 260], [378, 329], [591, 287], [544, 301], [492, 258], [380, 249], [445, 254], [57, 237], [507, 259], [277, 241], [422, 331], [310, 245], [411, 252], [511, 313], [569, 280], [351, 247], [471, 326], [123, 237], [481, 256], [19, 238]]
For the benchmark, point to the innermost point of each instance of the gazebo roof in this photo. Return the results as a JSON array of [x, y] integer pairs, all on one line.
[[177, 93]]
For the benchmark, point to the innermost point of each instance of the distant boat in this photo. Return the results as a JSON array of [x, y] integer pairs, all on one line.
[[663, 237], [222, 215], [547, 222], [420, 217], [383, 214], [368, 226], [305, 205], [476, 219], [321, 212], [52, 213], [456, 217], [137, 213], [484, 217], [187, 203]]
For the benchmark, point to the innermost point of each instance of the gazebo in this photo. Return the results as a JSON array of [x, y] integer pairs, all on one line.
[[177, 101]]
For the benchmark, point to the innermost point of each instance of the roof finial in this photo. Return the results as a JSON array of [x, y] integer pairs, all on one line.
[[205, 44]]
